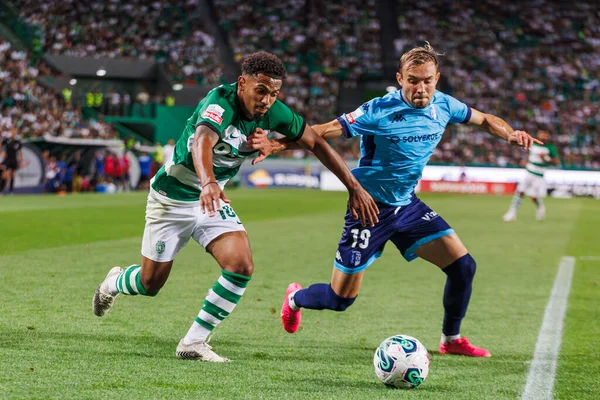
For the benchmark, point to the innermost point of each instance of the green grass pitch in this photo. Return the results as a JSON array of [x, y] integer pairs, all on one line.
[[54, 251]]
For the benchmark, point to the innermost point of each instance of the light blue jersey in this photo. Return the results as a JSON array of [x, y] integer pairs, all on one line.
[[397, 140]]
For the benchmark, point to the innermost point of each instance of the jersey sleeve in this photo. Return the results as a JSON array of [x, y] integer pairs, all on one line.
[[361, 121], [553, 151], [215, 111], [460, 113], [285, 121]]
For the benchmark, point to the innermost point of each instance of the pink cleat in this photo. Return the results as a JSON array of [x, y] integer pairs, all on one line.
[[289, 317], [461, 346]]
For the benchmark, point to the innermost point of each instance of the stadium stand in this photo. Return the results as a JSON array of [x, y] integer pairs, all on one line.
[[166, 31], [539, 70], [322, 44], [35, 110]]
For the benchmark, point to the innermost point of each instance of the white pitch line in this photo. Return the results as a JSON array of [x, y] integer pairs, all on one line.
[[540, 382], [590, 258]]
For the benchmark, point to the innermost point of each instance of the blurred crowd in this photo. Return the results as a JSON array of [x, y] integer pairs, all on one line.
[[35, 110], [104, 170], [323, 45], [167, 31], [536, 64]]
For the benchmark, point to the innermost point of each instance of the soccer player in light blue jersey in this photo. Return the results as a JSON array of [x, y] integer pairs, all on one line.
[[398, 135]]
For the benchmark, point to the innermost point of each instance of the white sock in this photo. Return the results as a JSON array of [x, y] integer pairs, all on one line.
[[197, 333], [112, 284], [291, 302], [447, 339]]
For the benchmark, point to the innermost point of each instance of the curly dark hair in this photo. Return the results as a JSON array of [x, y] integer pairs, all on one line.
[[264, 63]]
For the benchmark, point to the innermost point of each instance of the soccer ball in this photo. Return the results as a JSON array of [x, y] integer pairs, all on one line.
[[401, 361]]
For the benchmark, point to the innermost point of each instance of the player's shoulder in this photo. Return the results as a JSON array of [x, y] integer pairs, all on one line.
[[379, 106], [550, 146], [279, 105], [446, 102], [441, 97], [223, 92]]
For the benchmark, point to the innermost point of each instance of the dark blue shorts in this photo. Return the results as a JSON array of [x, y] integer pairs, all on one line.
[[408, 227]]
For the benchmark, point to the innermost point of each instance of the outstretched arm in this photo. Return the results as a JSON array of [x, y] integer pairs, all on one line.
[[498, 127], [360, 202], [259, 141]]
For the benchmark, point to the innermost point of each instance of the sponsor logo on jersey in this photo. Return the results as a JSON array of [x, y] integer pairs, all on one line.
[[214, 112], [351, 118], [430, 137], [215, 108]]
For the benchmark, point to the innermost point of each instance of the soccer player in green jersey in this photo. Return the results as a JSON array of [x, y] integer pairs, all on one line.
[[541, 156], [186, 198]]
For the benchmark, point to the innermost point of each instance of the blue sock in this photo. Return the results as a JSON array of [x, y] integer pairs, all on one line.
[[457, 293], [321, 296]]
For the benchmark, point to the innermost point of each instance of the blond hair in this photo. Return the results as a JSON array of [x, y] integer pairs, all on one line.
[[418, 56]]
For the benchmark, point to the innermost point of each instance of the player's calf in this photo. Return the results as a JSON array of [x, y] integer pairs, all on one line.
[[457, 292], [321, 296]]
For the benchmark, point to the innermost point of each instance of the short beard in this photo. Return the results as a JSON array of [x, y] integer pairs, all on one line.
[[423, 106]]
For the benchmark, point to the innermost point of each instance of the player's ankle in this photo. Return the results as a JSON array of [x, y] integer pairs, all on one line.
[[446, 339], [291, 301]]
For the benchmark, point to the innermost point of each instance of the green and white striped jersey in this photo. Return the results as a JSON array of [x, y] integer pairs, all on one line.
[[536, 163], [220, 110]]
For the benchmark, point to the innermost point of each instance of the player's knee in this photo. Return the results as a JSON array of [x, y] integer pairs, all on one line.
[[242, 267], [469, 265], [339, 303], [462, 270]]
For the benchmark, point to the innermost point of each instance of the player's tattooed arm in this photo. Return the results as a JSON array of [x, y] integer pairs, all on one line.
[[498, 127], [202, 154]]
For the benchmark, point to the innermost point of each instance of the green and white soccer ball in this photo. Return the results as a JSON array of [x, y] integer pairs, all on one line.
[[401, 361]]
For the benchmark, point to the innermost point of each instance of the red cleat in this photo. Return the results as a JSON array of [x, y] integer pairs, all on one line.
[[290, 318], [461, 346]]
